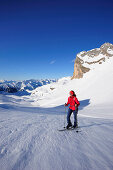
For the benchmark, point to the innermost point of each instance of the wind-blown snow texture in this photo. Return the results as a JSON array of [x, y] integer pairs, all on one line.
[[29, 139]]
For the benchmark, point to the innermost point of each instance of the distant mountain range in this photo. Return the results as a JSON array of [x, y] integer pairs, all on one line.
[[15, 86]]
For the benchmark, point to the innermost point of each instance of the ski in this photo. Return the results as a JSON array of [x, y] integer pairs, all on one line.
[[76, 129]]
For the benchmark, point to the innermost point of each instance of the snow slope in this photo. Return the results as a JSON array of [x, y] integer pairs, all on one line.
[[29, 139]]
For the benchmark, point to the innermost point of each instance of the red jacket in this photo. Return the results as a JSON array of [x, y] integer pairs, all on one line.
[[72, 101]]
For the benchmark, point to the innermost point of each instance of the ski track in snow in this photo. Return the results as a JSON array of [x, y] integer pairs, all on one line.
[[31, 141]]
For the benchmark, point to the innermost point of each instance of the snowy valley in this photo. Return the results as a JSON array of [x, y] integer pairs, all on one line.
[[29, 136]]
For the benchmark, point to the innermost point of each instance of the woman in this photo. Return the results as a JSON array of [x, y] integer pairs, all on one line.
[[74, 103]]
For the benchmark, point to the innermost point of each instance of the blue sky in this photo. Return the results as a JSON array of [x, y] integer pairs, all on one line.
[[40, 38]]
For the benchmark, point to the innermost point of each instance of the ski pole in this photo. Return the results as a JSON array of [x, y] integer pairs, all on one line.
[[65, 117]]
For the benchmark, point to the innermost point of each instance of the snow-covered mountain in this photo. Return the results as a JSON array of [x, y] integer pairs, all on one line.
[[95, 85], [14, 86], [88, 60]]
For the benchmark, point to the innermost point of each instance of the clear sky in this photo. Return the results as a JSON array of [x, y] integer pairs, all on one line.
[[40, 38]]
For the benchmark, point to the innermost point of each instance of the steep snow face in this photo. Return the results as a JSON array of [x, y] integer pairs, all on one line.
[[96, 86]]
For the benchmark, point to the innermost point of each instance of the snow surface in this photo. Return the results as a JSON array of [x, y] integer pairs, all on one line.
[[29, 139], [110, 51]]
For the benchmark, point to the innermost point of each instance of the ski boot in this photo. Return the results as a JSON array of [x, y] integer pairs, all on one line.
[[68, 126], [75, 126]]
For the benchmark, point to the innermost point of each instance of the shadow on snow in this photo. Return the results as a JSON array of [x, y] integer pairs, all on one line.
[[40, 110]]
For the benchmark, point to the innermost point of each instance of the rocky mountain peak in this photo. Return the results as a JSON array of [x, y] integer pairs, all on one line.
[[86, 60]]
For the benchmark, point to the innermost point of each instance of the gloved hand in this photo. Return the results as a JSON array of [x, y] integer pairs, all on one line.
[[76, 105]]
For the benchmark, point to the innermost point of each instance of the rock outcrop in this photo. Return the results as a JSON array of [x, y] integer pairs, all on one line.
[[79, 69], [86, 60]]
